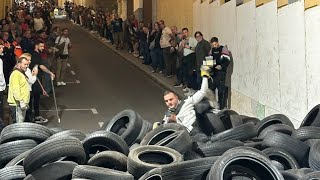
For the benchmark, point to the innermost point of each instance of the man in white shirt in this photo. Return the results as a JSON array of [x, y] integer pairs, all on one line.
[[2, 87], [165, 44], [38, 22], [62, 59]]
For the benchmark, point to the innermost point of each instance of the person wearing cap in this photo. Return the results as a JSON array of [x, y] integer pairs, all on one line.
[[2, 87]]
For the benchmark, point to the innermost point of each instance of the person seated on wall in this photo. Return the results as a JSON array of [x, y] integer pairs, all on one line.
[[182, 111]]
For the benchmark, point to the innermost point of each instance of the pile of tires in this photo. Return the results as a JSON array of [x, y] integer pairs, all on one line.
[[229, 146]]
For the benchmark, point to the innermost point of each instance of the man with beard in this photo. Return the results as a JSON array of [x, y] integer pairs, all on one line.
[[36, 88], [19, 94]]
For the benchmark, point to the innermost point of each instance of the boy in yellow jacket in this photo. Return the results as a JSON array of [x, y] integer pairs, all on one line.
[[19, 93]]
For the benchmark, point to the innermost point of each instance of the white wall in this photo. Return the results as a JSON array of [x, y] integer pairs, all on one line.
[[276, 54]]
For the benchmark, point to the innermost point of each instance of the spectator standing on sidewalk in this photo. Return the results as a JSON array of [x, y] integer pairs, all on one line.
[[166, 35], [117, 30], [156, 52], [19, 94], [62, 60], [2, 87], [144, 45]]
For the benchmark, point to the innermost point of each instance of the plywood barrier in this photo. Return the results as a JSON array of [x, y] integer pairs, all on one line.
[[311, 3]]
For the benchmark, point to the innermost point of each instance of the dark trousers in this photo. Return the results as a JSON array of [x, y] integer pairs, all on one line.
[[145, 52], [157, 59], [1, 111], [219, 83], [34, 103], [170, 60], [188, 67]]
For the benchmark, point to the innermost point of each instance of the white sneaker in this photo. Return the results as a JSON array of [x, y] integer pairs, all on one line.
[[63, 83], [40, 120], [58, 83]]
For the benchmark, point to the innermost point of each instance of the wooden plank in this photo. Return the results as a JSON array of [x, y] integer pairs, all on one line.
[[282, 3], [245, 1], [262, 2], [311, 3]]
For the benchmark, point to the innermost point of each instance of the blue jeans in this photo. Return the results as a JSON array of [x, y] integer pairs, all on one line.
[[145, 52], [157, 59]]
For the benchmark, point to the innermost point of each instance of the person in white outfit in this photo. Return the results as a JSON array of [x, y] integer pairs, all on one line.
[[2, 87], [38, 22], [182, 111]]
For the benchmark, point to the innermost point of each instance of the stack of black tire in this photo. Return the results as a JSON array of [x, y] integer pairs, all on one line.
[[228, 146]]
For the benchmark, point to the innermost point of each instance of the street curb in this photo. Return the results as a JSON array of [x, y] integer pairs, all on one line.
[[155, 77]]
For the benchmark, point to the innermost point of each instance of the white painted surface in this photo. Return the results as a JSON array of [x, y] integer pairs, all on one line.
[[100, 124], [312, 26], [267, 55], [245, 74], [292, 60]]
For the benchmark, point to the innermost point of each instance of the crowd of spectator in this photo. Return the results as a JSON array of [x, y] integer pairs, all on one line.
[[167, 50], [28, 56]]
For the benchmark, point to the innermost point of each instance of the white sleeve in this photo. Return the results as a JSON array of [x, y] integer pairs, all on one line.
[[57, 39], [2, 79], [199, 95], [31, 79]]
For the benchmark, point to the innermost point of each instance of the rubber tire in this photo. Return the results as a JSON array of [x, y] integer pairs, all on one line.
[[314, 156], [307, 132], [146, 127], [249, 158], [102, 141], [224, 116], [312, 118], [200, 137], [71, 132], [287, 143], [283, 157], [283, 128], [18, 131], [134, 125], [179, 141], [153, 174], [202, 107], [210, 124], [12, 172], [109, 159], [295, 174], [193, 169], [153, 157], [162, 131], [52, 150], [61, 170], [218, 148], [18, 160], [310, 142], [192, 155], [99, 173], [10, 150], [237, 120], [311, 176], [273, 119], [242, 132], [55, 130]]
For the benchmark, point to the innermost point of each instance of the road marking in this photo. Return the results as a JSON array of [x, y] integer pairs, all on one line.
[[68, 64], [93, 110], [73, 73], [100, 124], [76, 82]]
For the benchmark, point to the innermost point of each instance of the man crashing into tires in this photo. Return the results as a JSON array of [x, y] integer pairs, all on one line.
[[182, 111]]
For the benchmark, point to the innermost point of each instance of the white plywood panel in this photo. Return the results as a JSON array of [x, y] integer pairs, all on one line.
[[267, 55], [292, 60], [245, 67], [312, 22]]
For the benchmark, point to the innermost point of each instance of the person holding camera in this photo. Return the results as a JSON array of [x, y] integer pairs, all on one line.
[[182, 111]]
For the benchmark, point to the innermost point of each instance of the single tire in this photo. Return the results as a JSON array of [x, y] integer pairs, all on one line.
[[12, 173], [153, 174], [307, 132], [218, 148], [242, 132], [283, 128], [134, 146], [202, 107], [126, 118], [159, 133], [146, 127], [189, 170], [55, 130], [295, 147], [144, 158], [57, 170], [10, 150], [179, 141], [192, 155], [283, 157], [99, 173], [26, 130], [18, 160], [312, 118], [109, 159], [103, 141], [310, 142], [295, 174], [224, 116], [273, 119], [52, 150], [314, 156], [200, 137], [237, 120], [72, 132], [255, 164], [210, 124]]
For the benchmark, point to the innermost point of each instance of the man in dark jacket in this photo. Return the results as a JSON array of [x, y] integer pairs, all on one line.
[[222, 56]]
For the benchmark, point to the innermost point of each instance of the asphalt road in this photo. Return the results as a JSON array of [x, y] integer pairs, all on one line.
[[100, 84]]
